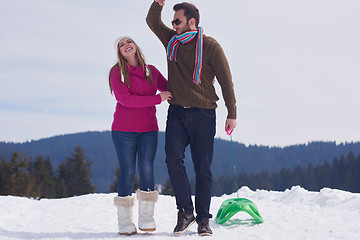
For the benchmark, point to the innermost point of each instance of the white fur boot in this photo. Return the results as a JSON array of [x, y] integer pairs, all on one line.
[[125, 214], [146, 209]]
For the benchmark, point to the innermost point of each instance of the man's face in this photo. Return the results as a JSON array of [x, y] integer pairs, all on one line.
[[180, 18]]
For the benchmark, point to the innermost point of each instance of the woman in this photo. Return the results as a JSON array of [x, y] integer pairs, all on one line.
[[135, 132]]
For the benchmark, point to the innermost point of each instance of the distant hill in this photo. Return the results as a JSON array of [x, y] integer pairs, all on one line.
[[99, 149]]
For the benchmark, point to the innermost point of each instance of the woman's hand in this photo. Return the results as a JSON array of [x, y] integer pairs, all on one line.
[[165, 96]]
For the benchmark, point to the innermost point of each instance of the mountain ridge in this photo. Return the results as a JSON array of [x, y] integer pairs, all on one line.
[[98, 147]]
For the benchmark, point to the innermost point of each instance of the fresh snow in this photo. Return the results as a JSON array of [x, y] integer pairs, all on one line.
[[292, 214]]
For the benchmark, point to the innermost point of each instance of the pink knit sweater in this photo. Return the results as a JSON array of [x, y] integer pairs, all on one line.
[[135, 108]]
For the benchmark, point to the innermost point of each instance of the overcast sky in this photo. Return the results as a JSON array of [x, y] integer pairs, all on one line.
[[295, 66]]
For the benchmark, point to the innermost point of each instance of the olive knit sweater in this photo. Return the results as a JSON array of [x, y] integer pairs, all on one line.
[[185, 92]]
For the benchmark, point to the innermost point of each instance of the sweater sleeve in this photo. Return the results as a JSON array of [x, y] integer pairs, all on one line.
[[153, 20], [222, 72], [128, 99], [160, 79]]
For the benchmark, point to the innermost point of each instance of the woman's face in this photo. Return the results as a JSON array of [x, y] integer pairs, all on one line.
[[127, 47]]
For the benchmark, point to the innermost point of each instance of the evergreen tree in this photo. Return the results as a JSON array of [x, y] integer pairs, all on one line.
[[43, 173], [168, 189], [336, 174], [136, 184], [4, 177], [264, 181], [342, 172], [19, 182], [114, 184], [282, 179], [76, 173], [61, 188], [229, 184], [311, 181], [347, 185], [357, 175], [217, 189], [297, 177], [350, 177], [324, 174]]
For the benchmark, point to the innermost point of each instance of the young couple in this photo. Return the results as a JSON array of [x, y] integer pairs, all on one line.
[[194, 60]]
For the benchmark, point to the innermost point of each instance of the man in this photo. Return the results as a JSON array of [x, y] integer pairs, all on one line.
[[193, 62]]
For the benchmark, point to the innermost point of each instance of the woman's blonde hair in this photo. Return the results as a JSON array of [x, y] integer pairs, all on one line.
[[122, 64]]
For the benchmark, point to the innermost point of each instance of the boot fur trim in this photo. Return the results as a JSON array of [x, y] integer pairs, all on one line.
[[151, 196], [127, 201]]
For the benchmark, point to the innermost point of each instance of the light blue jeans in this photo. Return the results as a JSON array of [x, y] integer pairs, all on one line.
[[128, 145]]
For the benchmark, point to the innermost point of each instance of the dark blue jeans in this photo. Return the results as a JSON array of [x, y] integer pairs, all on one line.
[[128, 145], [195, 127]]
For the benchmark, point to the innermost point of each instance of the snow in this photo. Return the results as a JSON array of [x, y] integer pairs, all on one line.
[[292, 214]]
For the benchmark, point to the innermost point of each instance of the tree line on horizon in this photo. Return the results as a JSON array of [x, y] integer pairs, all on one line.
[[342, 174], [37, 179], [21, 176], [250, 159]]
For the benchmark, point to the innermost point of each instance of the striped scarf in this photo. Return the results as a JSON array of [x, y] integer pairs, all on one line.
[[185, 38]]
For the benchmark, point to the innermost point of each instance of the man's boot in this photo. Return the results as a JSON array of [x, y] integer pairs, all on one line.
[[184, 221], [204, 228]]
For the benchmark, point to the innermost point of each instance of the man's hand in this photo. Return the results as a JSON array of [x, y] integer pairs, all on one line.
[[160, 2], [230, 125]]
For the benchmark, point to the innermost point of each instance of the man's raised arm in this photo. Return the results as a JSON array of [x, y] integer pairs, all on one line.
[[153, 20]]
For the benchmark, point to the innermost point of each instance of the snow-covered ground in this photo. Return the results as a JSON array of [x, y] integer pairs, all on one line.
[[292, 214]]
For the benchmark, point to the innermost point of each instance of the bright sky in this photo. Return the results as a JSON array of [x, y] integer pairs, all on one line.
[[295, 66]]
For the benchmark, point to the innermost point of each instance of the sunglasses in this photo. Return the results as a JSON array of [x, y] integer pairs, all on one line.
[[176, 21]]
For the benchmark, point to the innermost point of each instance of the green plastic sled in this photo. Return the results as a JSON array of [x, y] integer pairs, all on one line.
[[232, 206]]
